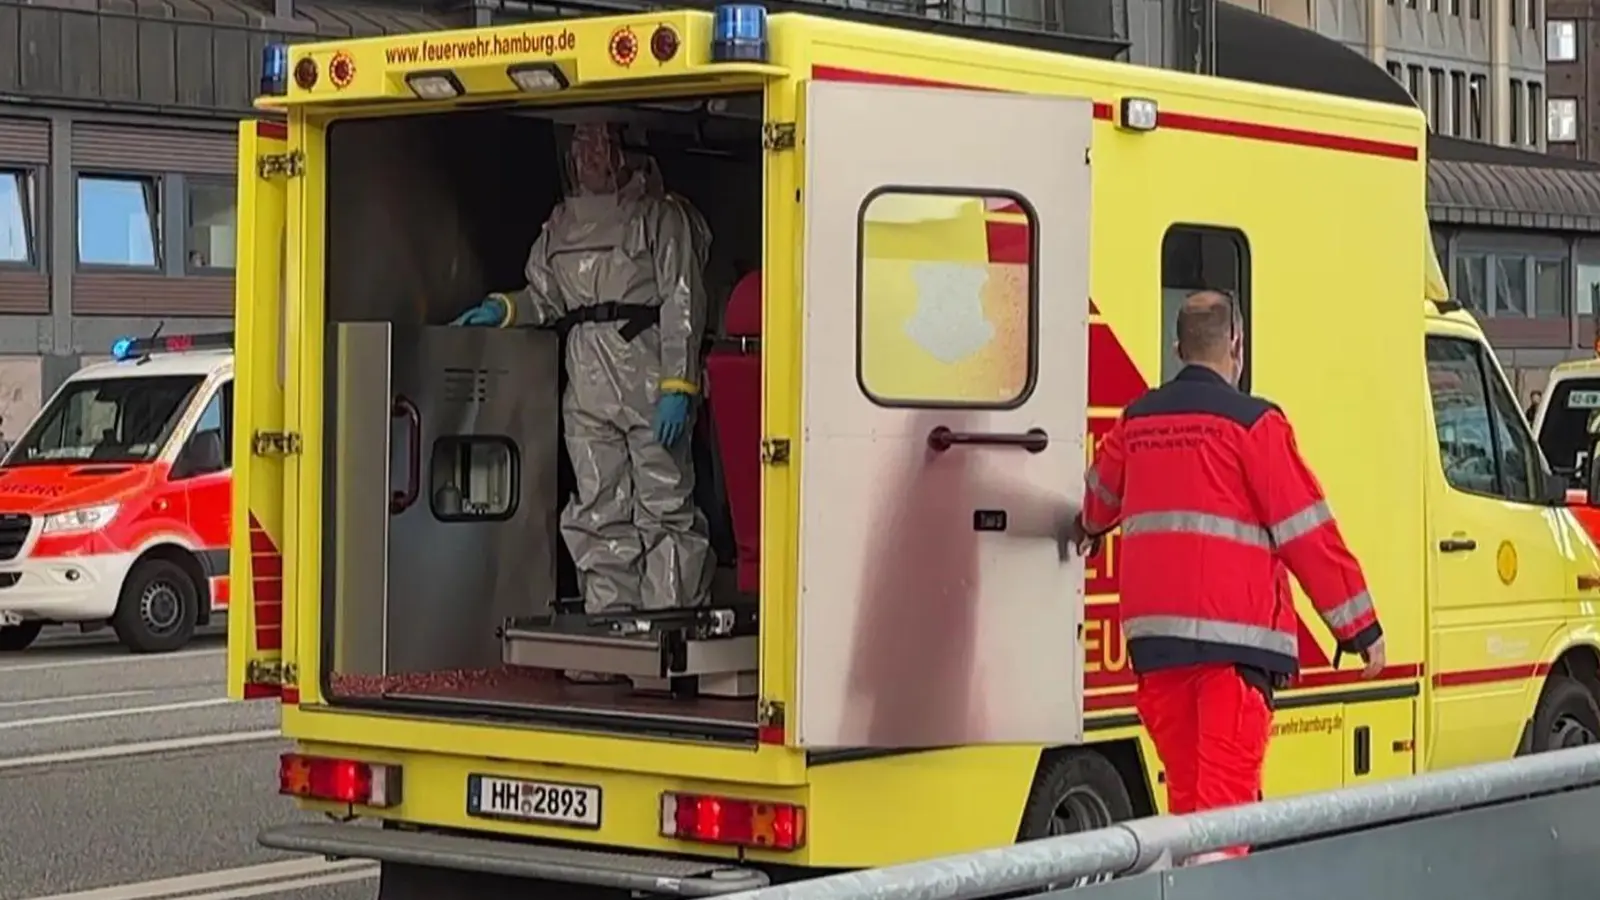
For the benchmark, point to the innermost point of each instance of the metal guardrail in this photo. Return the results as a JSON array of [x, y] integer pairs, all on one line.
[[1147, 845]]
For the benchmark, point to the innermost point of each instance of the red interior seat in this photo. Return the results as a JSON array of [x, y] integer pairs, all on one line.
[[733, 389]]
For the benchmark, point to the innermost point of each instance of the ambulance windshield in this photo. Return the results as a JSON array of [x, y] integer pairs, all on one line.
[[1571, 425], [121, 420]]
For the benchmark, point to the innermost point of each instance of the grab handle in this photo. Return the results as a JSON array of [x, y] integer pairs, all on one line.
[[401, 500], [1034, 440]]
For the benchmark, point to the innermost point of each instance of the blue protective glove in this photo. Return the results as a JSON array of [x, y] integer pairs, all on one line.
[[672, 414], [490, 311]]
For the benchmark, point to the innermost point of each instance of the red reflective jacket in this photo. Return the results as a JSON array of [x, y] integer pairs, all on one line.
[[1215, 501]]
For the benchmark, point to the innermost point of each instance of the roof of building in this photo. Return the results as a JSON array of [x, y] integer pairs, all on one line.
[[1469, 182]]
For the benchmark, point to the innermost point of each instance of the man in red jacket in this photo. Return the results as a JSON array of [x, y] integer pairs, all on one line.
[[1215, 502]]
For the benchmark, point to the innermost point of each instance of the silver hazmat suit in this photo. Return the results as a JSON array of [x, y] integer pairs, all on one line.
[[635, 534]]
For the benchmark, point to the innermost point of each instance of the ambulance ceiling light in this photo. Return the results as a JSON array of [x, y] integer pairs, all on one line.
[[436, 85], [537, 78], [275, 70], [1137, 114], [739, 33]]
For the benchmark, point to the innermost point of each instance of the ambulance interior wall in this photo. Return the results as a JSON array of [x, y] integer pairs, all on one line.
[[427, 214]]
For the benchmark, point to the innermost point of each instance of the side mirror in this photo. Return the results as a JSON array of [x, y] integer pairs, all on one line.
[[201, 456]]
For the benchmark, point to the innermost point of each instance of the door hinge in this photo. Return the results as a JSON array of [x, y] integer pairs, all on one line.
[[777, 136], [775, 451], [275, 443], [769, 714], [271, 671], [288, 165]]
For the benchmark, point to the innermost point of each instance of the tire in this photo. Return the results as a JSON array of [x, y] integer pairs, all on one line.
[[1567, 716], [158, 608], [1075, 791], [16, 638]]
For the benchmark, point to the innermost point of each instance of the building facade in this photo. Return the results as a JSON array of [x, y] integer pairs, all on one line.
[[1572, 40]]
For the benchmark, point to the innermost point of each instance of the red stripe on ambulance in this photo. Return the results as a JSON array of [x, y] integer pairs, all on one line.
[[266, 576]]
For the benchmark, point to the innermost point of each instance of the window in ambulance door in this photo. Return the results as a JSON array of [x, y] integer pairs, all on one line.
[[217, 418], [946, 296], [1484, 443], [1202, 258]]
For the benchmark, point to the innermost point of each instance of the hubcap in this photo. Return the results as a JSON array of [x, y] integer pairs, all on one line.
[[1569, 732], [161, 607], [1080, 809]]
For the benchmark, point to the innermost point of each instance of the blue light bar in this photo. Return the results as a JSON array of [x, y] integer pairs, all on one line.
[[275, 70], [126, 348], [739, 33]]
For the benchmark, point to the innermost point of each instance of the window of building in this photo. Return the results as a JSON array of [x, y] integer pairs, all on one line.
[[17, 212], [1510, 286], [1484, 443], [1475, 8], [1550, 288], [1458, 101], [1513, 9], [1586, 262], [1561, 40], [1518, 112], [118, 221], [1475, 90], [1438, 101], [1455, 7], [935, 328], [1396, 71], [1470, 283], [209, 226], [1414, 84], [1561, 120], [1199, 257], [1534, 111], [1531, 17]]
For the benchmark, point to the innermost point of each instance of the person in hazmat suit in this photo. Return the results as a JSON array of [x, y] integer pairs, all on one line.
[[618, 270]]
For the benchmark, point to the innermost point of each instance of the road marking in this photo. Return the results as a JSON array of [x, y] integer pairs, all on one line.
[[279, 888], [112, 713], [71, 698], [120, 658], [138, 748], [258, 879]]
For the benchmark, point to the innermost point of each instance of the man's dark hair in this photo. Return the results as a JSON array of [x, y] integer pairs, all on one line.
[[1205, 325]]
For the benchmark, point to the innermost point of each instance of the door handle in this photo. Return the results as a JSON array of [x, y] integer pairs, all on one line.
[[1589, 582], [1034, 440], [1457, 545], [401, 500]]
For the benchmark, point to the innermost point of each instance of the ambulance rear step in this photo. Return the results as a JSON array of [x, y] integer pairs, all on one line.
[[644, 874], [710, 651]]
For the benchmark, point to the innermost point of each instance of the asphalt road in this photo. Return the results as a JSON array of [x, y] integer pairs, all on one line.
[[134, 778]]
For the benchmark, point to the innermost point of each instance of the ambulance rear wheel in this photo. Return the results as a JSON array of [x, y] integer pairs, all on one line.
[[1074, 791], [158, 608], [15, 638], [1567, 716]]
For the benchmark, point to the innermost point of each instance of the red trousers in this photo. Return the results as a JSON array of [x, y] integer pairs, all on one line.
[[1211, 729]]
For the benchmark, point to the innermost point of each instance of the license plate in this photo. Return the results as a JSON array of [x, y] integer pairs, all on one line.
[[489, 797]]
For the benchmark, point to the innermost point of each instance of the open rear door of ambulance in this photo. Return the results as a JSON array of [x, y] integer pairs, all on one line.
[[256, 598], [946, 305]]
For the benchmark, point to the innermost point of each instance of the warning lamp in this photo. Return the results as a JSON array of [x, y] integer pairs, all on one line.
[[664, 43], [739, 33], [275, 70], [757, 824], [537, 78], [1137, 114], [305, 73], [338, 780], [122, 349], [435, 85]]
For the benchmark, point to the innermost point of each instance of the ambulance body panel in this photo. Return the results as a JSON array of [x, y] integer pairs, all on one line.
[[1142, 206]]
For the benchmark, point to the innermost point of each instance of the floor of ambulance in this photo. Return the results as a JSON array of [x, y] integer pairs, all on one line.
[[513, 687]]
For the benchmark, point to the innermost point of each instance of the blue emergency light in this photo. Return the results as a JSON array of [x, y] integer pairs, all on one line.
[[126, 348], [275, 70], [739, 33], [122, 349]]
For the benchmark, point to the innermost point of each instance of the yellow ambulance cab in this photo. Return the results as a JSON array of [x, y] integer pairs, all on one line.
[[939, 268]]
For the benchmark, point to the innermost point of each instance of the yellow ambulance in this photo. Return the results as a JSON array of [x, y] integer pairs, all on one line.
[[939, 269]]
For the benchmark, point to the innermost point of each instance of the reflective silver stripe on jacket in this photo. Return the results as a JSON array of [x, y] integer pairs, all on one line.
[[1099, 489], [1349, 612], [1301, 523], [1213, 631], [1197, 523]]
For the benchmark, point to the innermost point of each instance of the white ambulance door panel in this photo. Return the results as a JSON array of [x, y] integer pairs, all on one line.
[[946, 320]]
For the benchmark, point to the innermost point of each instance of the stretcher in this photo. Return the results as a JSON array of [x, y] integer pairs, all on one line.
[[701, 651]]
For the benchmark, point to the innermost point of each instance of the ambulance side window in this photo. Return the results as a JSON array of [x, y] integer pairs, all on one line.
[[1484, 443], [218, 417], [1202, 257]]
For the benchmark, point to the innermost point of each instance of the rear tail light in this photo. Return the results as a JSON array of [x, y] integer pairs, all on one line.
[[725, 820], [339, 780]]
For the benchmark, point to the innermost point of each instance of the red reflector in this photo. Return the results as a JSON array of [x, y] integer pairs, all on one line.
[[339, 780], [770, 734], [726, 820], [253, 691]]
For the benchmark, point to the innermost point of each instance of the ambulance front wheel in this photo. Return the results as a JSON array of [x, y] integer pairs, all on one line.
[[16, 638], [158, 608]]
